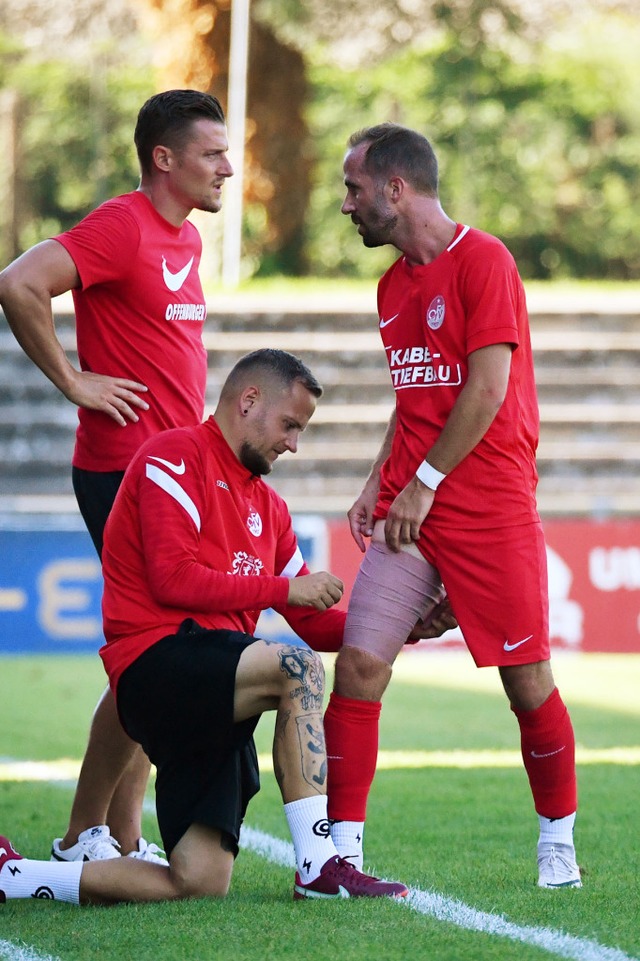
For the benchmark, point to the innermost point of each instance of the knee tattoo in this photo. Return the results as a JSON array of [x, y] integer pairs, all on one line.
[[303, 667]]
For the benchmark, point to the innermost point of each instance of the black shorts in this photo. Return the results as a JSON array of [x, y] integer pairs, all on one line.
[[176, 700], [95, 493]]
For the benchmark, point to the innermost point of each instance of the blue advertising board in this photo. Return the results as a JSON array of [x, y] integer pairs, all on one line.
[[51, 587]]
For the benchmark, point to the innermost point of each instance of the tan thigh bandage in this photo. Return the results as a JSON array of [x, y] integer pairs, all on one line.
[[391, 592]]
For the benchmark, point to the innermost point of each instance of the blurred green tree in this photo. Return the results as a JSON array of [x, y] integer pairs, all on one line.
[[72, 76], [533, 110], [537, 128]]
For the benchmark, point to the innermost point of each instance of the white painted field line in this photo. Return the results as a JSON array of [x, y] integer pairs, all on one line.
[[460, 914], [555, 942], [449, 910], [64, 769], [21, 952]]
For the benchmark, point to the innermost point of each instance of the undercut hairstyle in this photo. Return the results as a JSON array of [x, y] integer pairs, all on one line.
[[274, 366], [395, 150], [166, 119]]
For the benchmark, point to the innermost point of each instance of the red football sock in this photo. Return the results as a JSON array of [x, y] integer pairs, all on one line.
[[351, 732], [548, 751]]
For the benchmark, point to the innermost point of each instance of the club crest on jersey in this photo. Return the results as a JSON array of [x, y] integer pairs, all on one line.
[[254, 523], [435, 313], [246, 565]]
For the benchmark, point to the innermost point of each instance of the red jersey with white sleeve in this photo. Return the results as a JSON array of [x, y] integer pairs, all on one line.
[[432, 317], [140, 311], [193, 534]]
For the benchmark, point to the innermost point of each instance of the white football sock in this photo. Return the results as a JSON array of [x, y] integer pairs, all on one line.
[[48, 880], [556, 830], [348, 839], [309, 826]]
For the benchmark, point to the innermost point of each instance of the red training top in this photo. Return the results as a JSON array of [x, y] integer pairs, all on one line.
[[193, 534], [140, 311]]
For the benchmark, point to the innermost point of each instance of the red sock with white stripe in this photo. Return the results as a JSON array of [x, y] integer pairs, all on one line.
[[548, 752], [351, 732]]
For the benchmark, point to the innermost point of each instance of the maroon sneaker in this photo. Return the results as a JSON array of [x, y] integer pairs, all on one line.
[[339, 879], [7, 853]]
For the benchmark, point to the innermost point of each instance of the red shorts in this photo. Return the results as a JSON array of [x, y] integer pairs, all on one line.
[[497, 584]]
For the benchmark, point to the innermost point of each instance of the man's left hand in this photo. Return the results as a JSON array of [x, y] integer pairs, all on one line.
[[440, 620]]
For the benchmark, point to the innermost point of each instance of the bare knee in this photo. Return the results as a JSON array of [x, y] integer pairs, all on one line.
[[528, 685], [201, 864], [360, 675], [200, 886]]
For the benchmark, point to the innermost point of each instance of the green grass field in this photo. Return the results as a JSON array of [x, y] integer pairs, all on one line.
[[450, 814]]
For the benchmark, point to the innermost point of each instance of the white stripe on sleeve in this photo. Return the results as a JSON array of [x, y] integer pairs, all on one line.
[[172, 487], [294, 565]]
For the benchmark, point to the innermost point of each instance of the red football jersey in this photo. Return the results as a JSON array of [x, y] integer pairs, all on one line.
[[140, 311], [431, 318], [193, 534]]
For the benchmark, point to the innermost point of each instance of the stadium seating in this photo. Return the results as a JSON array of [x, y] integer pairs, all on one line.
[[587, 364]]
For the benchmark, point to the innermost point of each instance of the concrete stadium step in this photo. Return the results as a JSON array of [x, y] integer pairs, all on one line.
[[587, 363], [557, 497], [324, 452], [560, 342]]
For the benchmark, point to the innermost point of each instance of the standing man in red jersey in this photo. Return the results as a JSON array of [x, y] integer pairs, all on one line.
[[452, 494], [132, 265]]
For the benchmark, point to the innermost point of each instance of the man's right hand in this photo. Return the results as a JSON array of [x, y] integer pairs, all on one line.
[[361, 515], [320, 590], [114, 396]]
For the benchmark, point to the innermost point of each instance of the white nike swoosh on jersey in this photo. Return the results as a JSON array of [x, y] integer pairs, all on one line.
[[175, 281], [176, 468], [383, 323], [511, 647]]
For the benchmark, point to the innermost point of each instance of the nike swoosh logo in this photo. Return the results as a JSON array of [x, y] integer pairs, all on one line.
[[3, 851], [176, 468], [549, 753], [175, 281], [511, 647], [383, 323]]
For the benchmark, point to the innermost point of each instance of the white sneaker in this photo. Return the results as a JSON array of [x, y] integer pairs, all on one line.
[[94, 844], [149, 852], [557, 867]]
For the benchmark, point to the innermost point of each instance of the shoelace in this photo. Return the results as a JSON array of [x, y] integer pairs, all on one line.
[[150, 852], [558, 863], [154, 850], [95, 845], [346, 861]]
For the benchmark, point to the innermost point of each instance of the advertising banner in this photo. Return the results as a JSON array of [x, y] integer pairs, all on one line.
[[51, 585]]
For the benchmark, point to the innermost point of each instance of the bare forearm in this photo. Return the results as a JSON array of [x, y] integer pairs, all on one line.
[[475, 409], [469, 421], [31, 320], [26, 288]]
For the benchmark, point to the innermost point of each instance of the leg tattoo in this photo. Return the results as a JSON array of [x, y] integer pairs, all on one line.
[[313, 755], [303, 669]]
